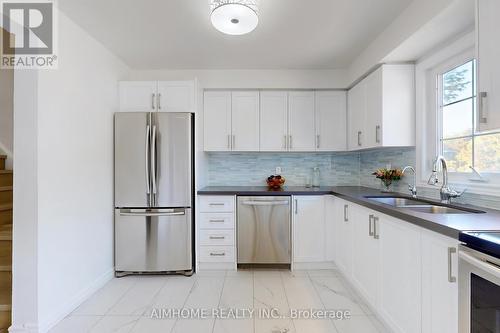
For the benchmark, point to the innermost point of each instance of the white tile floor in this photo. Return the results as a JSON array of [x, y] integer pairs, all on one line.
[[126, 304]]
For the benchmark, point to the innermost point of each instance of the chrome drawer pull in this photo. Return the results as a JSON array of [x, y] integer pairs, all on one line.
[[217, 221], [217, 237], [214, 254], [217, 204], [451, 278]]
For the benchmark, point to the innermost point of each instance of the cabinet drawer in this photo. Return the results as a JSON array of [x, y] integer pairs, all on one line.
[[217, 237], [216, 221], [216, 204], [217, 253]]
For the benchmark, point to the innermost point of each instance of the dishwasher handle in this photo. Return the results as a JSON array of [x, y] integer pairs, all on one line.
[[266, 203]]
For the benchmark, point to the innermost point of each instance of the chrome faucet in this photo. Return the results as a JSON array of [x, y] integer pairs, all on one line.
[[412, 188], [446, 193]]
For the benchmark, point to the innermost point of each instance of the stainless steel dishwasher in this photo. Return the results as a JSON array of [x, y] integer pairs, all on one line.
[[263, 226]]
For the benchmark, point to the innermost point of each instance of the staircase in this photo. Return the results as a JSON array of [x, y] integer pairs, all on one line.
[[5, 245]]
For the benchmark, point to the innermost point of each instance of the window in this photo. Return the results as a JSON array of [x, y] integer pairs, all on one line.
[[459, 142]]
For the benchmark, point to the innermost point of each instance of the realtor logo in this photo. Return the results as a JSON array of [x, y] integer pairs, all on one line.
[[28, 34]]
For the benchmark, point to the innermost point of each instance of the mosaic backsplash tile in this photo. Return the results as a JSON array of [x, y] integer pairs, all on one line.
[[251, 169]]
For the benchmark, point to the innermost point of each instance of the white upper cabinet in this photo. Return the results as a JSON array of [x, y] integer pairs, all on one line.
[[331, 122], [488, 70], [176, 96], [273, 121], [217, 120], [137, 96], [245, 121], [301, 122], [382, 109], [163, 96], [309, 229]]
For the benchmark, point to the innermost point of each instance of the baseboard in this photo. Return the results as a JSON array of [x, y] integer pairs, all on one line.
[[313, 265], [73, 303]]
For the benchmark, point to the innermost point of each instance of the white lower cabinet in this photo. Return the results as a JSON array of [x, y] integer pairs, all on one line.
[[439, 283], [343, 235], [365, 254], [308, 229], [399, 269]]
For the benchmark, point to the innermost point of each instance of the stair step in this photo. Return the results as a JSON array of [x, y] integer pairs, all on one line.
[[5, 318], [6, 232], [6, 177], [7, 206], [6, 217], [2, 161], [5, 194]]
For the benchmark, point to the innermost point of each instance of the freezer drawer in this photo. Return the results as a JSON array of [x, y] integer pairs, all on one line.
[[153, 240], [263, 227]]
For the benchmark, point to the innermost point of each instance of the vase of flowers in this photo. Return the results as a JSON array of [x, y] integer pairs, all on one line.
[[388, 178]]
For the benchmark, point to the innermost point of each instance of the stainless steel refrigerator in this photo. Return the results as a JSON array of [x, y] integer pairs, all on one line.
[[153, 192]]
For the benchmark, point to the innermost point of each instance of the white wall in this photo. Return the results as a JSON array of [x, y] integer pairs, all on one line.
[[290, 79], [74, 168]]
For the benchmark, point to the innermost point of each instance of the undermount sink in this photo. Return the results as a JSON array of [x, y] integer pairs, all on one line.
[[422, 206]]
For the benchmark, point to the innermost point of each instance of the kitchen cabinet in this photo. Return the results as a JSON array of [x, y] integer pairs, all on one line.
[[330, 228], [231, 121], [488, 65], [331, 122], [365, 257], [308, 229], [399, 266], [157, 96], [273, 121], [381, 109], [343, 235], [217, 120], [301, 121], [245, 120], [439, 283]]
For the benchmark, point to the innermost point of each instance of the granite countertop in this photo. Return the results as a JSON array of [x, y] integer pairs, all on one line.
[[446, 224]]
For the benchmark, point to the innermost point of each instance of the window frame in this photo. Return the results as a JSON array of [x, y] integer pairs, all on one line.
[[428, 123]]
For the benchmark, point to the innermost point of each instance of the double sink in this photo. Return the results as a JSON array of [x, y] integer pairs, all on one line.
[[422, 206]]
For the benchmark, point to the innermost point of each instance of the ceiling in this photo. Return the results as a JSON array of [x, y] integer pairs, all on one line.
[[177, 34]]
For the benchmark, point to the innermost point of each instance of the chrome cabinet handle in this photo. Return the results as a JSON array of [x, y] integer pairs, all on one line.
[[284, 141], [290, 142], [359, 138], [217, 237], [217, 254], [483, 112], [451, 278], [317, 141], [216, 204], [153, 101], [148, 181], [346, 219], [296, 206], [159, 101], [234, 142], [375, 233], [228, 141], [216, 221], [377, 134], [153, 160], [370, 221]]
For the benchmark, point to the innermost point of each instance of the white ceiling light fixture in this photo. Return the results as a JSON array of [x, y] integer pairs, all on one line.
[[234, 17]]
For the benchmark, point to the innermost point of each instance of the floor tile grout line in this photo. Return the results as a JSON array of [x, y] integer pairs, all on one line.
[[321, 300], [287, 302], [220, 298], [184, 304], [253, 300]]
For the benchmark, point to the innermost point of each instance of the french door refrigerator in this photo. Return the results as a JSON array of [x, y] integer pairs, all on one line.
[[153, 193]]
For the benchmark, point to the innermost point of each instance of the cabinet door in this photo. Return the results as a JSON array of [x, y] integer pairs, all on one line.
[[273, 121], [356, 115], [217, 120], [245, 121], [137, 96], [330, 227], [439, 290], [301, 124], [309, 228], [365, 254], [331, 120], [400, 274], [373, 122], [488, 50], [176, 96], [343, 236]]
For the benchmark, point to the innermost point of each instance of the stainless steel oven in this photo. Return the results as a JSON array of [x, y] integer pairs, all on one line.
[[479, 292]]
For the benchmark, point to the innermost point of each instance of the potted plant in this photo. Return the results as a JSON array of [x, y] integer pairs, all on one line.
[[388, 177]]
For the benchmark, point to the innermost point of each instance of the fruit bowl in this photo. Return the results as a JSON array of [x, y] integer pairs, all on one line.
[[275, 182]]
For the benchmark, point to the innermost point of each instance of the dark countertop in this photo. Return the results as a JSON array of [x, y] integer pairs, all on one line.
[[264, 190], [446, 224]]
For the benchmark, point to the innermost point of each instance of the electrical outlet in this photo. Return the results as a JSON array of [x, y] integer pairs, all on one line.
[[278, 170]]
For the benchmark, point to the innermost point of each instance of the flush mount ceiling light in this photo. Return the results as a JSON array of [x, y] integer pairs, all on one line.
[[234, 17]]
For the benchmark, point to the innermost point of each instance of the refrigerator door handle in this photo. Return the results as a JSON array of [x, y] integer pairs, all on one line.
[[153, 214], [153, 160], [148, 181]]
